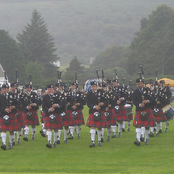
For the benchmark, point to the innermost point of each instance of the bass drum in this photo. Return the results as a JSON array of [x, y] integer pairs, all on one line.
[[169, 112]]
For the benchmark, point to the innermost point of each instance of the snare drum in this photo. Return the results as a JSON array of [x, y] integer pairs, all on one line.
[[169, 112], [128, 109]]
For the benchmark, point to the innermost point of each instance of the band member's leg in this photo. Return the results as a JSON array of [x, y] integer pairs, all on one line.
[[102, 135], [151, 131], [71, 128], [138, 134], [147, 132], [49, 138], [114, 131], [55, 137], [26, 132], [78, 129], [19, 133], [99, 136], [58, 138], [66, 134], [4, 137], [108, 133], [142, 134], [92, 134], [33, 129]]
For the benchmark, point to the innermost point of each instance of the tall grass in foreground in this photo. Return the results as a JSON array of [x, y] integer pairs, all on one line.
[[119, 155]]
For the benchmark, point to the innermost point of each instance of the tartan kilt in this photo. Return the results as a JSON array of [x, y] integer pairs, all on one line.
[[43, 115], [20, 119], [102, 123], [34, 121], [68, 120], [149, 122], [121, 116], [112, 119], [161, 117], [12, 126], [80, 119], [57, 125]]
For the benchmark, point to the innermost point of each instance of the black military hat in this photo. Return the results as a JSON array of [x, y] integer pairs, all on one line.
[[50, 86], [73, 83], [5, 85], [13, 84], [115, 80], [59, 84], [162, 81], [27, 85], [93, 82], [156, 83], [139, 80]]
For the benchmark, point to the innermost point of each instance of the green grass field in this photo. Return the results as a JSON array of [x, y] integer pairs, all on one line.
[[119, 155]]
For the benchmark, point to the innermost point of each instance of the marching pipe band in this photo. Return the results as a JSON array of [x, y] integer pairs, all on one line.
[[110, 106]]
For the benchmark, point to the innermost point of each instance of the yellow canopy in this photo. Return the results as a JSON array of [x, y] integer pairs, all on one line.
[[169, 82]]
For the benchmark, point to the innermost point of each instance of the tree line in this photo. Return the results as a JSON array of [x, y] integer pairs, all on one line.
[[35, 52]]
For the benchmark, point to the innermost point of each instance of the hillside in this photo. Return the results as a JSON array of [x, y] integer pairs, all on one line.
[[81, 28]]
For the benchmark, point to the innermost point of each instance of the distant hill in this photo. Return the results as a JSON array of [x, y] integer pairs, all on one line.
[[81, 28]]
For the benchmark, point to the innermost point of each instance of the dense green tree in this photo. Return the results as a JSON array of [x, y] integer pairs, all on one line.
[[74, 66], [36, 71], [37, 44], [153, 46], [11, 57], [113, 57]]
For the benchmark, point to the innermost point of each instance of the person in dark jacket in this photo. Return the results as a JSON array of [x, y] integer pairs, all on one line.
[[52, 104], [143, 100], [8, 118], [30, 107], [96, 101]]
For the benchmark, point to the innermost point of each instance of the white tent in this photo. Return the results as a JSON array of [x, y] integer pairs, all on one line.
[[2, 78]]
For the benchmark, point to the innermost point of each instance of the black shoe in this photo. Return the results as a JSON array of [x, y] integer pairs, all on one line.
[[3, 147], [71, 137], [49, 145], [137, 143], [146, 142], [160, 131], [18, 142], [13, 143], [58, 141], [41, 131], [123, 129], [119, 134], [65, 141], [92, 144], [166, 130], [99, 143], [108, 139], [154, 129], [54, 144], [142, 139], [33, 137], [128, 129], [113, 136], [78, 136], [151, 134], [10, 146], [25, 139], [102, 140]]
